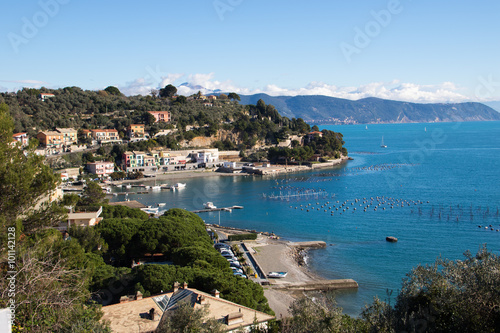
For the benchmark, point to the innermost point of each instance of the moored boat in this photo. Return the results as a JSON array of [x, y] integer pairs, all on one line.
[[277, 275], [178, 186], [209, 205]]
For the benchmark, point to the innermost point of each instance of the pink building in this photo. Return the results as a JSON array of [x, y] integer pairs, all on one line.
[[102, 169], [161, 116]]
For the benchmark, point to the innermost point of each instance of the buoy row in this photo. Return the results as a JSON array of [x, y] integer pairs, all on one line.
[[353, 205]]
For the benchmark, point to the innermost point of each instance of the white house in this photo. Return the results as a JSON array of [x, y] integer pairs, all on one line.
[[207, 156]]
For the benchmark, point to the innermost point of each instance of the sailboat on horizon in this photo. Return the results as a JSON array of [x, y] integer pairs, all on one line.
[[382, 143]]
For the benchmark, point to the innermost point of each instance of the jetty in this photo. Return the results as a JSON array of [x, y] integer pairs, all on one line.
[[317, 285], [307, 245], [222, 209]]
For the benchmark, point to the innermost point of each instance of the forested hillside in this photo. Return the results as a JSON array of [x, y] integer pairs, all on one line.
[[331, 110]]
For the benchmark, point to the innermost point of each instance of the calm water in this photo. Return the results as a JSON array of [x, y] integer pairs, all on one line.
[[444, 173]]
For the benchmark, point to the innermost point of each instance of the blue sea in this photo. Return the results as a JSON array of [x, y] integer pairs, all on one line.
[[432, 187]]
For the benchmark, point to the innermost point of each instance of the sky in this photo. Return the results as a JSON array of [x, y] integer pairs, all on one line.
[[416, 51]]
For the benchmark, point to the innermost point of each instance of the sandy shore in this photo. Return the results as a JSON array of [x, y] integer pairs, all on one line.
[[277, 255]]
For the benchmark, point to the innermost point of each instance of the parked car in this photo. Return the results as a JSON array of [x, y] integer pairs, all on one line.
[[226, 251], [240, 275], [237, 270], [235, 264], [229, 256], [221, 245]]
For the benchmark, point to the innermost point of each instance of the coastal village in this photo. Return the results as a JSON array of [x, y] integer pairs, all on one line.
[[250, 167], [148, 312]]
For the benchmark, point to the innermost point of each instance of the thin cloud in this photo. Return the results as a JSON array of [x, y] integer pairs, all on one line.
[[445, 92], [33, 82]]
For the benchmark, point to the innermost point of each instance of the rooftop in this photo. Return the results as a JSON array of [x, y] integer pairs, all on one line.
[[133, 315], [66, 130]]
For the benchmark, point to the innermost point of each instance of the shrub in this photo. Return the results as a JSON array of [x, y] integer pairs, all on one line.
[[238, 237]]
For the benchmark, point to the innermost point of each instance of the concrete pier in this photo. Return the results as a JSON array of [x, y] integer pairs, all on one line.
[[318, 285], [306, 245]]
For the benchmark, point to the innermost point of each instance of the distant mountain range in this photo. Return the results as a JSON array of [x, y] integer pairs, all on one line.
[[331, 110], [494, 105]]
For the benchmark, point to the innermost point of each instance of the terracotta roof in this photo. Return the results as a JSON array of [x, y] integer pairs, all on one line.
[[104, 130], [129, 316]]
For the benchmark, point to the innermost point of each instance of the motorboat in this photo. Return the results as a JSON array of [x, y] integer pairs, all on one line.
[[150, 210], [209, 205], [277, 275], [178, 186]]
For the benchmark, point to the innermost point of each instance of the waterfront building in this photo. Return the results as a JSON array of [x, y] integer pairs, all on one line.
[[101, 169]]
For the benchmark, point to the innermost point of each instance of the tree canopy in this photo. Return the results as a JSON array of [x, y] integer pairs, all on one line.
[[25, 181], [168, 91], [447, 296], [113, 91], [234, 96]]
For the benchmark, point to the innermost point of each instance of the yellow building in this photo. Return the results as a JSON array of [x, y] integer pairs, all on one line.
[[69, 135], [135, 130], [50, 139]]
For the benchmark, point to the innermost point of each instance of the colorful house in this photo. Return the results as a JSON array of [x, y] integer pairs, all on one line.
[[23, 138], [161, 116], [50, 139], [84, 219], [135, 130], [69, 135], [44, 97], [105, 135], [101, 169]]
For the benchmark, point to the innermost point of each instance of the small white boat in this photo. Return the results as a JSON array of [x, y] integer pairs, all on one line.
[[366, 127], [178, 186], [382, 143], [156, 188], [128, 186], [106, 190], [277, 275], [150, 210], [161, 204], [209, 205]]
